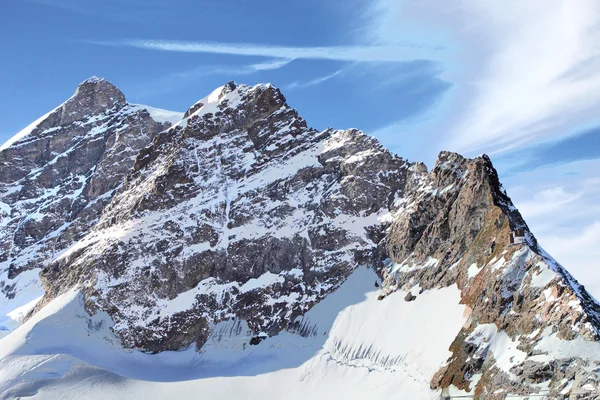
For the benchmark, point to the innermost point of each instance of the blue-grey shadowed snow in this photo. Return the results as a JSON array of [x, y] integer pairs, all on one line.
[[62, 353], [584, 146], [47, 338]]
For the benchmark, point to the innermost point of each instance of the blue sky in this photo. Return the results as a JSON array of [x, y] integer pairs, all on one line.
[[519, 80]]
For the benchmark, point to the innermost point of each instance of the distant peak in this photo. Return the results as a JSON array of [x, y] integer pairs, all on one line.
[[228, 87], [97, 84], [93, 96], [93, 80], [215, 96], [449, 156], [221, 92], [266, 91]]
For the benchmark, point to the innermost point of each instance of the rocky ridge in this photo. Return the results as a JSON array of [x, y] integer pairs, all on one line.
[[58, 174], [241, 211], [454, 229]]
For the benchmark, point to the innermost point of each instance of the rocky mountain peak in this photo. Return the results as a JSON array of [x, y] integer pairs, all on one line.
[[214, 97], [227, 88], [232, 90], [57, 174], [93, 96]]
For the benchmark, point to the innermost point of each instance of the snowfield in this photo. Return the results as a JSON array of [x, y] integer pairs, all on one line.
[[358, 348]]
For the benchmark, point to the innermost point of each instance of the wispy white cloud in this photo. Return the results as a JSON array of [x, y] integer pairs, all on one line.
[[549, 200], [246, 69], [531, 86], [274, 64], [526, 71], [174, 80], [313, 82], [523, 71], [390, 53]]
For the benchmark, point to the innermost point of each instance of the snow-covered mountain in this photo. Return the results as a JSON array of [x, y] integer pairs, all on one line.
[[56, 177], [235, 252]]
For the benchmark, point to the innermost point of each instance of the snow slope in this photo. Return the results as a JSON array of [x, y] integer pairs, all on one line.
[[13, 310], [160, 115], [61, 352], [157, 114], [25, 131]]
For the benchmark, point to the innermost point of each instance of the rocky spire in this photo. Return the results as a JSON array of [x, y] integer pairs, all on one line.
[[55, 168], [92, 97], [228, 88], [215, 96]]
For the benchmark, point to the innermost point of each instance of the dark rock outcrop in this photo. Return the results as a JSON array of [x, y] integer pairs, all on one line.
[[453, 228]]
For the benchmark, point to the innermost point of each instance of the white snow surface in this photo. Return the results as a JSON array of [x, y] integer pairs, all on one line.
[[473, 271], [544, 277], [550, 346], [26, 131], [361, 348], [505, 351], [19, 313], [160, 115], [29, 293]]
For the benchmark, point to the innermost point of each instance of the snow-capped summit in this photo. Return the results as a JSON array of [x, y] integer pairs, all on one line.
[[271, 255], [57, 174], [92, 97], [93, 80], [214, 97]]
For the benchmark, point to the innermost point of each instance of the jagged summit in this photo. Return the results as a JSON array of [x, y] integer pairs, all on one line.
[[241, 226], [58, 173], [217, 95], [94, 80], [98, 86], [228, 87], [94, 99], [213, 97], [93, 96]]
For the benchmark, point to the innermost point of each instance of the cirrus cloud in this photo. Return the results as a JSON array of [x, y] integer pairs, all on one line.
[[525, 71], [391, 53]]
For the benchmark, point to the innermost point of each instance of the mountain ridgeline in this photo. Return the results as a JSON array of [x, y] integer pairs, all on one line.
[[237, 210]]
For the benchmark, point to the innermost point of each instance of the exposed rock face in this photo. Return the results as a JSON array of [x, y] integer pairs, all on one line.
[[244, 211], [241, 211], [453, 227], [56, 179]]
